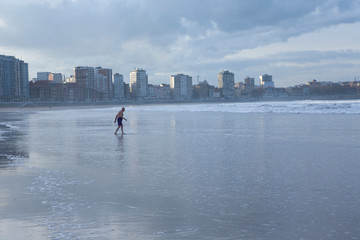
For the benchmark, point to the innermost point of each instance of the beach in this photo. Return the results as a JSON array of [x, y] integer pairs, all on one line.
[[187, 171]]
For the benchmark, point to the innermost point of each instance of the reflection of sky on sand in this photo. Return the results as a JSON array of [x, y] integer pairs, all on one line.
[[21, 229], [184, 175]]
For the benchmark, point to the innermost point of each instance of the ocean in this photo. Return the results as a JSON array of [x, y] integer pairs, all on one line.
[[263, 170]]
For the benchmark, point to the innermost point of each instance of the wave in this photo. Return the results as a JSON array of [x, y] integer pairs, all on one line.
[[3, 130], [298, 107]]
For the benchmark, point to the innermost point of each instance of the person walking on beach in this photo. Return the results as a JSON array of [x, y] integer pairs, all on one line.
[[119, 117]]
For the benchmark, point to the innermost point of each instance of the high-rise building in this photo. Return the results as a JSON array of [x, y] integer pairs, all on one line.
[[138, 83], [266, 81], [226, 84], [85, 79], [181, 85], [249, 84], [14, 79], [248, 81], [118, 81], [103, 82]]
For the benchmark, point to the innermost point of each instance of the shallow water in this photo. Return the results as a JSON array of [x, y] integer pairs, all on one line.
[[180, 175]]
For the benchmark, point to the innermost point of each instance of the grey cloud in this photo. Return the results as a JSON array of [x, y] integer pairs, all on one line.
[[172, 35], [40, 25]]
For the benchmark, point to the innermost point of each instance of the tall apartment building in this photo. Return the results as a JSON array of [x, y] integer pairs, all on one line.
[[226, 84], [138, 83], [14, 79], [118, 81], [249, 81], [85, 79], [266, 81], [103, 83], [249, 84], [181, 85]]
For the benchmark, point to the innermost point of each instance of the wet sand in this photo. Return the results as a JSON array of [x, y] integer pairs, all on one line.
[[180, 175]]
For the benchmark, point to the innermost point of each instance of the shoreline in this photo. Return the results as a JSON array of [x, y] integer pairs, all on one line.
[[21, 106]]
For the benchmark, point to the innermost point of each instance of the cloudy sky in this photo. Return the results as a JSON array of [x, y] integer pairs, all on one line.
[[293, 40]]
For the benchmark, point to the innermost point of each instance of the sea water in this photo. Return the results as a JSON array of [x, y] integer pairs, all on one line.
[[270, 170]]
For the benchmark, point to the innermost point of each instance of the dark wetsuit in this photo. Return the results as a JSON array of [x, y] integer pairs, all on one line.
[[119, 120]]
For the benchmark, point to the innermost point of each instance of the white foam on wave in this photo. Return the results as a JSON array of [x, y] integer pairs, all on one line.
[[6, 127], [3, 130], [2, 135], [10, 125], [13, 161], [298, 107]]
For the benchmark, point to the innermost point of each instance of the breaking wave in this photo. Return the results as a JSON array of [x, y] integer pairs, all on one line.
[[298, 107]]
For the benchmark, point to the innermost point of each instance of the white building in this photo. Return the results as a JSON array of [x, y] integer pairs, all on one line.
[[266, 81], [118, 81], [226, 84], [138, 83], [181, 85]]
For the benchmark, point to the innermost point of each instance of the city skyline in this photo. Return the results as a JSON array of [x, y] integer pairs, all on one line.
[[295, 41], [257, 81], [99, 84]]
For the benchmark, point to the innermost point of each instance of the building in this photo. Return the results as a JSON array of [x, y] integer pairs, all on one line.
[[266, 81], [217, 93], [118, 81], [239, 85], [203, 90], [14, 79], [127, 91], [301, 90], [56, 77], [22, 80], [181, 85], [70, 79], [43, 76], [226, 84], [239, 89], [85, 79], [73, 92], [162, 91], [138, 83], [103, 83], [151, 91], [46, 90], [249, 84]]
